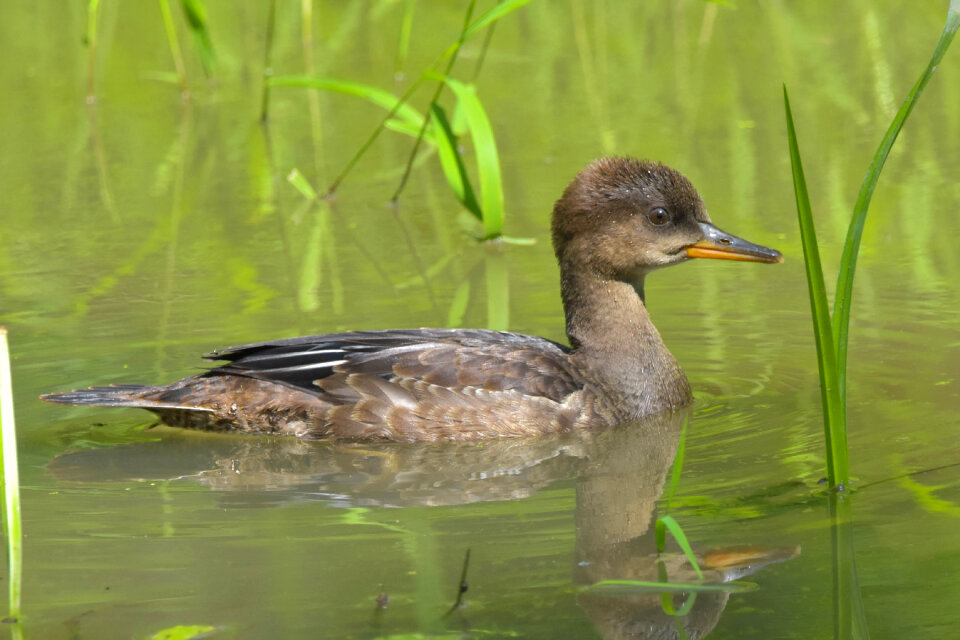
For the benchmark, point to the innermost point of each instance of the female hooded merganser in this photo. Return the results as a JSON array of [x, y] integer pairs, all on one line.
[[618, 220]]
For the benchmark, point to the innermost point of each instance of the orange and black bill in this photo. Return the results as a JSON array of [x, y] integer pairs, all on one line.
[[720, 245]]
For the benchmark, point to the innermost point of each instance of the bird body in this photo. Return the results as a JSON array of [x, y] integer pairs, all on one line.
[[617, 221]]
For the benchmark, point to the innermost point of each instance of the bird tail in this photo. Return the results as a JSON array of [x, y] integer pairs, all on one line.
[[121, 395]]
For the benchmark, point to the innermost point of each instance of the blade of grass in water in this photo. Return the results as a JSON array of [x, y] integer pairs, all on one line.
[[626, 587], [403, 42], [851, 246], [267, 57], [494, 14], [488, 160], [184, 632], [302, 184], [452, 162], [372, 94], [667, 523], [11, 481], [677, 466], [832, 334], [93, 17], [174, 44], [433, 101], [196, 14], [834, 423], [491, 16]]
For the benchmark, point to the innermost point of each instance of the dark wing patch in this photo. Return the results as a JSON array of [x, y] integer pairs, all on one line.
[[451, 358]]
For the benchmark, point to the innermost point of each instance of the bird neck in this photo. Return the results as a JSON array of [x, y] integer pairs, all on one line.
[[615, 343]]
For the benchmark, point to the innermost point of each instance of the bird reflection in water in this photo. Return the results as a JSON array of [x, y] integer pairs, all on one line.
[[619, 473]]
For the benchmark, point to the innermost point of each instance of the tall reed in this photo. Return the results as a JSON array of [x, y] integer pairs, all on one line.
[[832, 334]]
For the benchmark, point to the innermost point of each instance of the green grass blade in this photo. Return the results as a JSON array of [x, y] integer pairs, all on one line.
[[403, 42], [674, 527], [493, 14], [677, 466], [267, 65], [301, 184], [660, 535], [488, 160], [833, 417], [90, 38], [196, 14], [184, 632], [369, 93], [520, 242], [174, 43], [11, 480], [851, 246], [637, 587], [404, 127], [436, 96], [686, 606], [452, 162]]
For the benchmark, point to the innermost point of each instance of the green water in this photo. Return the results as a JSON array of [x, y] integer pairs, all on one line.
[[143, 231]]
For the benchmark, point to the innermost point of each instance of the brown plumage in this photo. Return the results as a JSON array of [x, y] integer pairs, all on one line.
[[618, 220]]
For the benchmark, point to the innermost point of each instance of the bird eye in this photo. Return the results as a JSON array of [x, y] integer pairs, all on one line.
[[658, 216]]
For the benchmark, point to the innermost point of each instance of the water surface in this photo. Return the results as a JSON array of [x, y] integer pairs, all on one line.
[[142, 231]]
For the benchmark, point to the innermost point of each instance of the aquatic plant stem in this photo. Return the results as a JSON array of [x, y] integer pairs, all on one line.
[[11, 481], [489, 17], [313, 96], [851, 246], [174, 45], [267, 57], [834, 422], [433, 101], [93, 15], [403, 42], [832, 333], [487, 37], [372, 138]]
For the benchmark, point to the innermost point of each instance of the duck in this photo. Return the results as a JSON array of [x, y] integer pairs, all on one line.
[[617, 221]]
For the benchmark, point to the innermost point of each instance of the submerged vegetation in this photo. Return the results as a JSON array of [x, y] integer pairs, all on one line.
[[833, 334]]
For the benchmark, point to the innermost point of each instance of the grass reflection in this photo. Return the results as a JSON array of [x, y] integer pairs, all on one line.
[[849, 617]]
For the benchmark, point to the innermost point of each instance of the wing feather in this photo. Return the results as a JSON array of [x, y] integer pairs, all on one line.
[[374, 363]]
